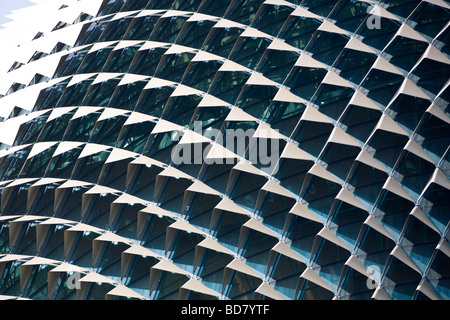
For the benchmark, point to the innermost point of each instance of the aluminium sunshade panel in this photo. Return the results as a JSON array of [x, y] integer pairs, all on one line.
[[355, 208]]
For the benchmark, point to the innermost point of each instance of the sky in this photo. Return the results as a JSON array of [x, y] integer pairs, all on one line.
[[7, 6]]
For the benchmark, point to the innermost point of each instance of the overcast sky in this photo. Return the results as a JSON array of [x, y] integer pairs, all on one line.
[[6, 6]]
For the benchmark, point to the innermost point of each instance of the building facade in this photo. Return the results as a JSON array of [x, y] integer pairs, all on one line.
[[225, 149]]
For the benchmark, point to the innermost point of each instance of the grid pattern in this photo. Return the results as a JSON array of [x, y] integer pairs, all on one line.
[[355, 93]]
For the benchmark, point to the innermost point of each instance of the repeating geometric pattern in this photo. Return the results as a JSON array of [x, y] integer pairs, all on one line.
[[355, 93]]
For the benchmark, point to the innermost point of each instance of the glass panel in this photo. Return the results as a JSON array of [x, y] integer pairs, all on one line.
[[439, 275], [432, 75], [354, 286], [55, 129], [132, 5], [153, 235], [115, 30], [36, 287], [134, 137], [194, 34], [347, 221], [320, 7], [99, 94], [110, 260], [433, 136], [284, 116], [92, 32], [319, 194], [420, 243], [61, 166], [227, 85], [126, 96], [430, 18], [35, 166], [408, 111], [312, 136], [11, 164], [138, 277], [302, 232], [54, 245], [332, 100], [387, 146], [292, 172], [126, 219], [99, 209], [167, 29], [274, 210], [26, 240], [330, 260], [298, 31], [173, 66], [257, 250], [107, 131], [229, 229], [243, 286], [312, 291], [374, 249], [186, 5], [172, 198], [382, 85], [71, 62], [146, 61], [141, 28], [82, 249], [94, 61], [271, 19], [212, 267], [160, 4], [245, 192], [183, 252], [354, 65], [88, 168], [255, 99], [221, 41], [50, 96], [30, 131], [378, 38], [360, 121], [339, 158], [210, 118], [286, 273], [180, 110], [435, 203], [80, 129], [74, 95], [401, 281], [392, 211], [243, 11], [326, 46], [168, 286], [214, 7], [406, 52], [120, 60], [277, 64], [368, 182], [305, 81], [403, 7], [350, 14], [248, 51], [414, 173], [198, 211], [111, 6]]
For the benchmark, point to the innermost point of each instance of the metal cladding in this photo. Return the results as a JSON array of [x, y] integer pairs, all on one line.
[[350, 100]]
